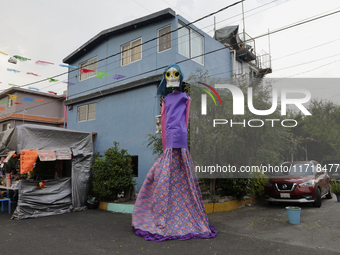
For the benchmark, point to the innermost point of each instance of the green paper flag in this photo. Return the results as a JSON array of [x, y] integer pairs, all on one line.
[[3, 102], [101, 75], [21, 58], [10, 84], [51, 80]]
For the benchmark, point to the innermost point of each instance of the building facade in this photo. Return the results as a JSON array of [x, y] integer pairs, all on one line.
[[24, 106], [113, 91]]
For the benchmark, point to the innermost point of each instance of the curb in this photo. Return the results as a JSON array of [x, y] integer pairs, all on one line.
[[210, 208]]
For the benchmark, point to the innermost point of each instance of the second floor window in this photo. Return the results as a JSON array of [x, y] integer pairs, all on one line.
[[9, 101], [131, 51], [87, 112], [190, 44], [164, 38], [90, 64]]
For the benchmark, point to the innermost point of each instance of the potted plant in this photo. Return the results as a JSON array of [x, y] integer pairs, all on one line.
[[335, 188]]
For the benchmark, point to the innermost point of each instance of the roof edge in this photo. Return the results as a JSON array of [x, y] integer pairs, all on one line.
[[115, 89], [125, 27]]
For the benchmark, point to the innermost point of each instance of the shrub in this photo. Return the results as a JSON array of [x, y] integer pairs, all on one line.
[[258, 186], [335, 187], [234, 187], [112, 172]]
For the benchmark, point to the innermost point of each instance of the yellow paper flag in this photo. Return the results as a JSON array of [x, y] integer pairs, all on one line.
[[13, 97]]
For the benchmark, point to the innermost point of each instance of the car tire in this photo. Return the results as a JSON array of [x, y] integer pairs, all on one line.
[[317, 202], [329, 194]]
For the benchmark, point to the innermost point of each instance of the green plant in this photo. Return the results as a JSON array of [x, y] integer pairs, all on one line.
[[155, 142], [258, 185], [112, 172], [234, 187], [335, 187]]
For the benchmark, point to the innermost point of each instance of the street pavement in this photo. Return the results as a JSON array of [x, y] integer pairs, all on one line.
[[259, 229]]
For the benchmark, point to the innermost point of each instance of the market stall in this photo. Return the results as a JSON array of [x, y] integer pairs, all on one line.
[[61, 162]]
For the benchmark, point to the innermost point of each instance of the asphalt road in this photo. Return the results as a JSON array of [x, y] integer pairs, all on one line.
[[260, 229]]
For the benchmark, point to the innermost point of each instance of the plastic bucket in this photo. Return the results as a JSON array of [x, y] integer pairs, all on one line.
[[338, 197], [293, 214]]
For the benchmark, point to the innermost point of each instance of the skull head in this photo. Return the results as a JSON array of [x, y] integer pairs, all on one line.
[[172, 77]]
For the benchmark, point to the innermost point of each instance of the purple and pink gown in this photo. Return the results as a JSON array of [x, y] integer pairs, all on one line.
[[169, 204]]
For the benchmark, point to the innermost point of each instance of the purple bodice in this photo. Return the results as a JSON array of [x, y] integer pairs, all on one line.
[[176, 114]]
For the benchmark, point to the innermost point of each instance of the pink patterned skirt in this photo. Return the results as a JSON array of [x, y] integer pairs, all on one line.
[[169, 204]]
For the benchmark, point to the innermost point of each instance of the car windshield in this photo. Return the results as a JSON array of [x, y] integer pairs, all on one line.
[[295, 169]]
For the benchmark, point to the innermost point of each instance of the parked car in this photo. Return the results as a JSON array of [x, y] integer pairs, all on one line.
[[333, 168], [300, 182]]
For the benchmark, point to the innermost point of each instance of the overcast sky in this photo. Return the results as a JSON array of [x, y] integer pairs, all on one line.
[[51, 30]]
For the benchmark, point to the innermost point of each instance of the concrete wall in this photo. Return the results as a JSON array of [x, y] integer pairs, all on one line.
[[123, 117]]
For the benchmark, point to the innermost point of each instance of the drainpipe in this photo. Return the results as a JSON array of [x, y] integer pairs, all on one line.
[[64, 114], [233, 61]]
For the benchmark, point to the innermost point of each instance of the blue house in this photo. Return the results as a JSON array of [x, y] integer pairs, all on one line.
[[113, 93]]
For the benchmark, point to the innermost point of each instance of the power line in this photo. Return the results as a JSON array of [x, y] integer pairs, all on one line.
[[155, 38], [306, 49], [208, 52], [296, 24]]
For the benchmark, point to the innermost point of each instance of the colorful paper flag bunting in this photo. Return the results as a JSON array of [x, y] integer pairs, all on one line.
[[33, 88], [117, 77], [18, 103], [21, 58], [73, 67], [28, 99], [10, 84], [13, 70], [69, 83], [101, 75], [4, 53], [83, 70], [32, 74], [52, 80], [40, 100], [51, 92], [12, 97], [2, 108], [39, 62]]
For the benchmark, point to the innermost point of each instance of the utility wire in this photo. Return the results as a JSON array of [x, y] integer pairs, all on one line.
[[155, 38], [300, 23]]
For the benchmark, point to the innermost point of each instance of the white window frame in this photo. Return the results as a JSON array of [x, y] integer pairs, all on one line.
[[9, 102], [191, 32], [8, 126], [158, 41], [87, 106], [87, 65], [130, 52]]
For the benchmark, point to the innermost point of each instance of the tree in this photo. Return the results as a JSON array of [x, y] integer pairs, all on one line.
[[319, 135], [240, 144]]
